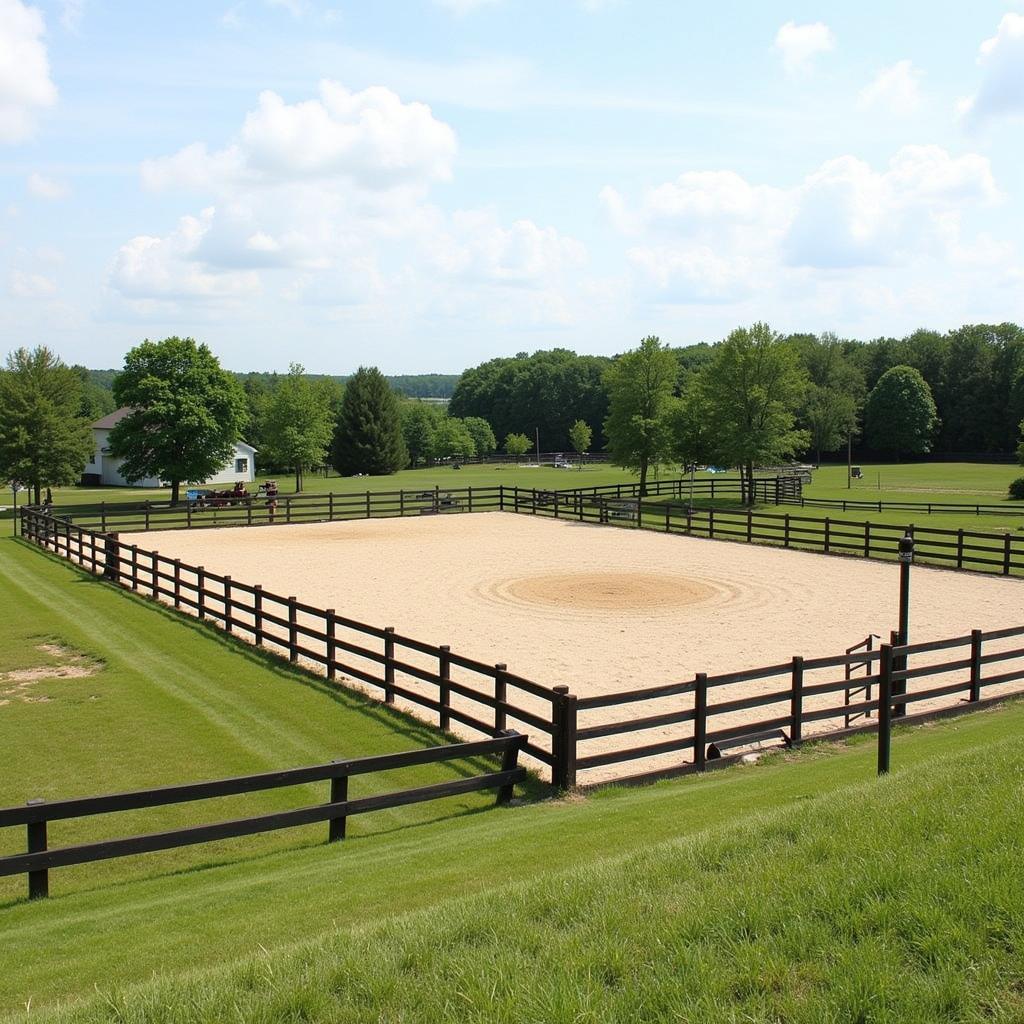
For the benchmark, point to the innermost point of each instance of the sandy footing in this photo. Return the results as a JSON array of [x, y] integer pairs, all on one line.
[[595, 608]]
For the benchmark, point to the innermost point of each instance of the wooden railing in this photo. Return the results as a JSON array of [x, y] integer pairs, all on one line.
[[40, 858], [713, 719], [921, 507], [485, 698]]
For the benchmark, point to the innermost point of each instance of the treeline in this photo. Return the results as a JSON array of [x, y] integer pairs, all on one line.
[[975, 376], [414, 385]]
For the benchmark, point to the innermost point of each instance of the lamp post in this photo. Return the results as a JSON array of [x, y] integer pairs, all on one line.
[[906, 556]]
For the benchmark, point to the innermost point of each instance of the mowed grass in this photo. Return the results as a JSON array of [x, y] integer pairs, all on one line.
[[800, 890], [163, 699]]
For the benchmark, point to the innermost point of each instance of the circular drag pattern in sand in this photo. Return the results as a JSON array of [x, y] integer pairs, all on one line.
[[605, 591]]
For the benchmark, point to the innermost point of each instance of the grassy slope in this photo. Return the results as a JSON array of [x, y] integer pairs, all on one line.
[[173, 701], [804, 891]]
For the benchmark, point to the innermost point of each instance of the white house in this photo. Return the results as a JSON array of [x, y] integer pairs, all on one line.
[[104, 469]]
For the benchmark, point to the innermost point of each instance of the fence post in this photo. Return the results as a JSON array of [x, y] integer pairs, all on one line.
[[469, 499], [330, 506], [38, 880], [103, 517], [339, 794], [563, 739], [785, 531], [227, 604], [135, 566], [975, 694], [500, 696], [501, 497], [257, 614], [332, 648], [154, 572], [796, 702], [287, 509], [444, 670], [689, 518], [293, 633], [700, 720], [389, 664], [960, 548], [367, 504], [112, 560], [750, 525], [201, 591], [711, 517], [828, 538], [867, 538], [884, 708], [177, 582], [1006, 555], [509, 763]]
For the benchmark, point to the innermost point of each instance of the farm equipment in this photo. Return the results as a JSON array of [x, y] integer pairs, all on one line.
[[200, 497]]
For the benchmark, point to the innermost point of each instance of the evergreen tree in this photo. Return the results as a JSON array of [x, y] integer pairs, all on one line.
[[368, 437], [44, 439], [187, 413]]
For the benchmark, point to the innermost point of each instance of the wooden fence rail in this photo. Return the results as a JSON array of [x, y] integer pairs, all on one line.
[[925, 507], [36, 814], [703, 718]]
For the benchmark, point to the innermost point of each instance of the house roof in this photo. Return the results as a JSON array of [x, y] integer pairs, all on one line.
[[112, 419]]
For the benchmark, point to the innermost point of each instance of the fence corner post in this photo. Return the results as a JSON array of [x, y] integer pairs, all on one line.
[[509, 763], [975, 694], [563, 738], [500, 697]]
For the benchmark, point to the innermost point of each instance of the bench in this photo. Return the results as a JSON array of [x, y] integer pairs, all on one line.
[[750, 739]]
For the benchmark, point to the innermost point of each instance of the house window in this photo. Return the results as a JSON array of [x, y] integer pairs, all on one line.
[[92, 459], [241, 465]]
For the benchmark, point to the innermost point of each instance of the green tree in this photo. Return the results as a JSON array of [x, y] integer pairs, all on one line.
[[1020, 446], [517, 444], [484, 440], [44, 439], [580, 435], [640, 385], [419, 420], [187, 413], [900, 414], [96, 401], [749, 394], [368, 437], [452, 439], [299, 422]]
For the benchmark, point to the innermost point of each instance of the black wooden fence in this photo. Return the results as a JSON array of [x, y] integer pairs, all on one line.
[[920, 507], [485, 698], [40, 858]]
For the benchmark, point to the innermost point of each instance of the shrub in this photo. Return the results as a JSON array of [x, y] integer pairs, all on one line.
[[1017, 488]]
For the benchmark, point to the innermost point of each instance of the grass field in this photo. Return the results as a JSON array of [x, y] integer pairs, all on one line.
[[801, 889], [159, 699]]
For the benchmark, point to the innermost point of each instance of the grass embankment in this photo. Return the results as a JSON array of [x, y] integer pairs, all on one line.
[[104, 692], [799, 890]]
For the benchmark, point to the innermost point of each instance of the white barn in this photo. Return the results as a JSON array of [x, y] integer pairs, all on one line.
[[103, 469]]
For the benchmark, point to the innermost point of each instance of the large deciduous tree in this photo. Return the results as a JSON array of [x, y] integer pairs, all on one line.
[[452, 439], [419, 421], [187, 413], [640, 385], [749, 395], [900, 413], [480, 430], [368, 437], [517, 445], [299, 421], [44, 439]]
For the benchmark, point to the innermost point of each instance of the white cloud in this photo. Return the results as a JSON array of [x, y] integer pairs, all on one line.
[[23, 285], [370, 138], [25, 85], [165, 268], [894, 90], [1002, 87], [71, 13], [46, 188], [800, 44], [714, 236]]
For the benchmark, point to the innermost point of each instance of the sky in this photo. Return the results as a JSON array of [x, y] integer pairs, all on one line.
[[425, 184]]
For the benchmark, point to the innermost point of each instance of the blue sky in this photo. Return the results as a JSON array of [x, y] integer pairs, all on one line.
[[424, 184]]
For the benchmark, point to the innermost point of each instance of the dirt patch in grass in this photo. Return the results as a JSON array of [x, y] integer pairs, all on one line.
[[71, 664]]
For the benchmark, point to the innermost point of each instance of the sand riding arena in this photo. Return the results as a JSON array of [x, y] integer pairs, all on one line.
[[606, 611]]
